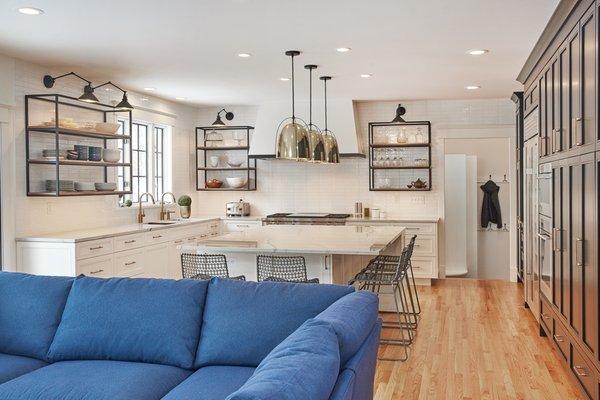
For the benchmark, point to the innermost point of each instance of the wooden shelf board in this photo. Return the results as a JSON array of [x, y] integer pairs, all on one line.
[[82, 193], [79, 162], [77, 132], [224, 148]]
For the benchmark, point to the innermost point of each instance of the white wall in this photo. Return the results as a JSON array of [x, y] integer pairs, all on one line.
[[31, 215]]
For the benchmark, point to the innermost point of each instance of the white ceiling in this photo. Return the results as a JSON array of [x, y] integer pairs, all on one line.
[[415, 49]]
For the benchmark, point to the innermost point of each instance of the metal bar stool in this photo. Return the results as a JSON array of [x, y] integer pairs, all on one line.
[[392, 271], [282, 269], [206, 266]]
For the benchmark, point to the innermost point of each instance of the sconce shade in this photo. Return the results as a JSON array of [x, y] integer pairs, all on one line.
[[88, 95]]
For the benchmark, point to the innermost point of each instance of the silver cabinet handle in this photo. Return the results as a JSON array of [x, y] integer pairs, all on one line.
[[576, 130], [156, 237], [580, 371], [559, 338], [243, 226], [129, 241], [556, 239], [579, 252], [179, 241], [130, 263], [96, 248], [96, 272]]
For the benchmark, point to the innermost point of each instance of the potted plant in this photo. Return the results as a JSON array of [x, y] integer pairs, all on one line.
[[185, 206]]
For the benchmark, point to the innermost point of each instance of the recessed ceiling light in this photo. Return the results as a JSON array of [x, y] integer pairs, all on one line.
[[149, 89], [179, 98], [284, 79], [366, 75], [144, 99], [244, 55], [477, 52], [30, 10], [472, 87], [108, 89], [343, 49]]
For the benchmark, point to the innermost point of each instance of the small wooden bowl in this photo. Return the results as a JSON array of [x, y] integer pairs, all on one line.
[[214, 184]]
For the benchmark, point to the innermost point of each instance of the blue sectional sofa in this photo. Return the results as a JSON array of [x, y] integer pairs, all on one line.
[[120, 338]]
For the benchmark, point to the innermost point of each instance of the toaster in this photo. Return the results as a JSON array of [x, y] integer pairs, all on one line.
[[237, 209]]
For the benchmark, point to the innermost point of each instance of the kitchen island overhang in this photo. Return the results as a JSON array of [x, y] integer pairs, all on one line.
[[334, 254]]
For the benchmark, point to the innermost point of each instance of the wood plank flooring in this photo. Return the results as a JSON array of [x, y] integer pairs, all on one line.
[[475, 341]]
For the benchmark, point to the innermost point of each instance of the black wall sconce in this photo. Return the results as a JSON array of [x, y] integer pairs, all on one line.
[[400, 111], [88, 91], [219, 121]]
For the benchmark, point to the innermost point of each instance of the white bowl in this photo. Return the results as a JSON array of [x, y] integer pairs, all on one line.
[[236, 182], [107, 127], [235, 163], [84, 186], [105, 187], [111, 155]]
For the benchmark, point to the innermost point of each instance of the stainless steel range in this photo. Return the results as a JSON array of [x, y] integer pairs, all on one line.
[[305, 219]]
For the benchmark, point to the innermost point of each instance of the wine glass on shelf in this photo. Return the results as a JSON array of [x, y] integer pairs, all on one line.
[[239, 137]]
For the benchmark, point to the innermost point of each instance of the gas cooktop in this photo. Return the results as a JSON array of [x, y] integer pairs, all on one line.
[[307, 215], [305, 219]]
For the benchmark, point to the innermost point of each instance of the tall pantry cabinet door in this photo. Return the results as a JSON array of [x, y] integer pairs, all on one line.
[[589, 269], [549, 126], [556, 236], [556, 105], [574, 89], [588, 78], [565, 243], [577, 247], [565, 99], [542, 116]]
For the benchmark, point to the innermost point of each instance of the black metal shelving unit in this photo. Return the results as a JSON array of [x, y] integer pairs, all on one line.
[[401, 169], [103, 110], [203, 150]]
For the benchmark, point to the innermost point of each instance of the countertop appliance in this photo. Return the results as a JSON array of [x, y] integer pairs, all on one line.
[[305, 219], [237, 209]]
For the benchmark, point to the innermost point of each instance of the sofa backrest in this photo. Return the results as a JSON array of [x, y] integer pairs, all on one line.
[[30, 310], [352, 317], [244, 321], [143, 320]]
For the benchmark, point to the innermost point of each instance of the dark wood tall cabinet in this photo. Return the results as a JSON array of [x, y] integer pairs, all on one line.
[[563, 70]]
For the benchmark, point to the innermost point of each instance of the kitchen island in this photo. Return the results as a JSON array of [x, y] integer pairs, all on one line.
[[334, 254]]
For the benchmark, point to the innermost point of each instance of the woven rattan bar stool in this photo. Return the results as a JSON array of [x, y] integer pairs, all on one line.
[[282, 269], [206, 266]]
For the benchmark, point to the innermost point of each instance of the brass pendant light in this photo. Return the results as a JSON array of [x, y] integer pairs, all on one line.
[[292, 139], [315, 137], [332, 152]]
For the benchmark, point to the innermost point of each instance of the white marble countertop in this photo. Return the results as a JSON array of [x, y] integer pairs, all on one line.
[[394, 219], [110, 231], [303, 239]]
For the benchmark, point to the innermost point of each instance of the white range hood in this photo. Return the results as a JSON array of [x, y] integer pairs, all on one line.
[[342, 120]]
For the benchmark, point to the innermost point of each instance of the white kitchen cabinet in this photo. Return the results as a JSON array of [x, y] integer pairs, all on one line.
[[145, 253], [425, 253], [242, 225]]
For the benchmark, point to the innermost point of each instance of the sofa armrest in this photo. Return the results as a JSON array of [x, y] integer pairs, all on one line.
[[304, 366], [344, 387]]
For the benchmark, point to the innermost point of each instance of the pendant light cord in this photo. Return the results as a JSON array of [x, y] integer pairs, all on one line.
[[293, 94], [310, 100], [325, 106]]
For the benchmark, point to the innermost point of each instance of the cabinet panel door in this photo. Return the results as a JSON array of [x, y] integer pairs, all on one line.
[[588, 79], [575, 90], [556, 105], [565, 101], [549, 125], [565, 243], [589, 270], [542, 116], [576, 246], [556, 236]]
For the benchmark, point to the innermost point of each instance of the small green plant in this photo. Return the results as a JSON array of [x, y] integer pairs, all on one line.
[[128, 203], [185, 201]]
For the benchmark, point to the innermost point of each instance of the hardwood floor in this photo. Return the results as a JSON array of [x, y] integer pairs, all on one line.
[[475, 341]]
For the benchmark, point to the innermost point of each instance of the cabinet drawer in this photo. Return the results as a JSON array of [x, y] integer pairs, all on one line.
[[561, 339], [418, 229], [584, 373], [129, 242], [422, 267], [546, 317], [99, 267], [159, 236], [129, 263], [425, 246], [94, 248]]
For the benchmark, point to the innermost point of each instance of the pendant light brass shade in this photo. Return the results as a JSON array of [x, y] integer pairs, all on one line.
[[332, 151], [292, 137]]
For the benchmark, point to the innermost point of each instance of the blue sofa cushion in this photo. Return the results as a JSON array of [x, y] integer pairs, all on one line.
[[352, 318], [142, 320], [30, 312], [98, 380], [211, 383], [14, 366], [344, 387], [244, 321], [303, 366]]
